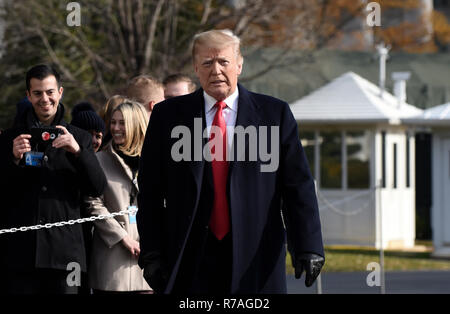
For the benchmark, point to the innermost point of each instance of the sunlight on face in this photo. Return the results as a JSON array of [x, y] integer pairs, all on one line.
[[218, 70], [44, 95], [118, 128]]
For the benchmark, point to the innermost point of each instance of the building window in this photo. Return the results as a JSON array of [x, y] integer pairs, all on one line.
[[330, 160], [358, 159], [339, 159], [439, 4]]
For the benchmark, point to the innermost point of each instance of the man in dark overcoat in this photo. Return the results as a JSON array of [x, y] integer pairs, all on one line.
[[223, 179], [45, 175]]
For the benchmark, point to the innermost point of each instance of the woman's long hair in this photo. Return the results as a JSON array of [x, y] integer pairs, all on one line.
[[136, 121], [107, 110]]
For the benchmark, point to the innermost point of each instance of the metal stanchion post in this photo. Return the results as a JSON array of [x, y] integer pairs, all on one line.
[[380, 216], [319, 284], [319, 278]]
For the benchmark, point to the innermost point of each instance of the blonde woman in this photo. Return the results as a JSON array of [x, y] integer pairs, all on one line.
[[106, 113], [115, 247]]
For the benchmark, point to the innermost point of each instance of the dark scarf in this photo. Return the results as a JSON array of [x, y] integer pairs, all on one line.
[[32, 120], [132, 162]]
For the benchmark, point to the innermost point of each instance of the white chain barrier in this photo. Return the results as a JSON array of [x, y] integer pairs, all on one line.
[[332, 205], [328, 204], [131, 210]]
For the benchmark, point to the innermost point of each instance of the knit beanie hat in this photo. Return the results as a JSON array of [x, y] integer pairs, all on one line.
[[85, 117]]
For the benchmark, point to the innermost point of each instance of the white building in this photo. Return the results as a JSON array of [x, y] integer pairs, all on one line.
[[356, 136], [437, 121]]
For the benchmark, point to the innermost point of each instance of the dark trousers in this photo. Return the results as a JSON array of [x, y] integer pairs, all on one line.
[[39, 281], [213, 275], [85, 289], [206, 263], [205, 269]]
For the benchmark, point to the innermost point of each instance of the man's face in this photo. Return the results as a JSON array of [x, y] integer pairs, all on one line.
[[218, 70], [97, 138], [44, 96], [176, 89]]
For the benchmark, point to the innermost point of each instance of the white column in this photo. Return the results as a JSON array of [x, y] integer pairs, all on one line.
[[344, 160], [373, 160]]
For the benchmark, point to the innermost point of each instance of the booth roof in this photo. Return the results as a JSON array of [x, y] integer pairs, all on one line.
[[351, 99], [435, 116]]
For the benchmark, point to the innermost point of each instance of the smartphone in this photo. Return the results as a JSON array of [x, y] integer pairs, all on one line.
[[45, 134]]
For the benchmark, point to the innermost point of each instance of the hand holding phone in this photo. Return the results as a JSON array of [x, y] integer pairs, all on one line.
[[21, 145], [66, 141]]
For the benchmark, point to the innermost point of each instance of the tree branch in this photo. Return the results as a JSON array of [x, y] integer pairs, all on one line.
[[53, 55], [151, 36]]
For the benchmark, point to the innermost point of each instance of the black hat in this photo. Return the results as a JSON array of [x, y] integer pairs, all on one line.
[[85, 117]]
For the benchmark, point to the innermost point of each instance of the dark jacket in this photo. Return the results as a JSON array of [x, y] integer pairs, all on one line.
[[48, 194], [171, 194]]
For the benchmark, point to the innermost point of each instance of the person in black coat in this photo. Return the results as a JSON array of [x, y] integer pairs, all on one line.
[[45, 180], [216, 223]]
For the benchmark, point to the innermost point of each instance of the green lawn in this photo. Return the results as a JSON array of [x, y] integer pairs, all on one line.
[[345, 258]]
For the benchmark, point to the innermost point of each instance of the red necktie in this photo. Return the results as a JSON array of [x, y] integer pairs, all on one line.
[[220, 218]]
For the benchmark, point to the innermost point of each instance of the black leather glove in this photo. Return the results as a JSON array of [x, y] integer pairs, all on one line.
[[311, 263], [156, 277]]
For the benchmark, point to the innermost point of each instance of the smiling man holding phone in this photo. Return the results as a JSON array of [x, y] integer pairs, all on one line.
[[46, 166]]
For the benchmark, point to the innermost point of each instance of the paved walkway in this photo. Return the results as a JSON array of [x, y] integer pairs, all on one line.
[[409, 282]]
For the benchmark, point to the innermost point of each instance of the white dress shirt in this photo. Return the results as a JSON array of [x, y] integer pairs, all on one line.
[[229, 114]]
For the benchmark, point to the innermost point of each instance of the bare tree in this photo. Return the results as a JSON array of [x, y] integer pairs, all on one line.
[[119, 39]]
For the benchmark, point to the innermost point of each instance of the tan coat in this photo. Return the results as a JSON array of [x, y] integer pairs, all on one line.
[[112, 266]]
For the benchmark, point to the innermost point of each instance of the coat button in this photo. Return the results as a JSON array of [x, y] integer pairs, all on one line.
[[44, 189]]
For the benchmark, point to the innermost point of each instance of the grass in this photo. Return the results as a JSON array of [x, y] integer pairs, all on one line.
[[348, 258]]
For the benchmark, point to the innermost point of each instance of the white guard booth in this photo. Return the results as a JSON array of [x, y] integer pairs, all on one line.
[[437, 121], [362, 158]]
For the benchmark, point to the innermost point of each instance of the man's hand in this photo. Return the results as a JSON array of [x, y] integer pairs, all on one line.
[[311, 264], [21, 145], [66, 141]]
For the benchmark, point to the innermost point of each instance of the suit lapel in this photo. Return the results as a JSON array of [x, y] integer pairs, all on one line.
[[247, 115], [195, 114]]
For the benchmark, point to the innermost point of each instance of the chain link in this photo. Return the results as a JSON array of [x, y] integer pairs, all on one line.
[[332, 205], [70, 222]]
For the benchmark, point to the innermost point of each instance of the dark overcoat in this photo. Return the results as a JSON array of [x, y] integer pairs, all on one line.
[[47, 194], [263, 204]]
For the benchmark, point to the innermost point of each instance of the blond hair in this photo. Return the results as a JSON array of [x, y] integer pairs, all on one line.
[[136, 121], [107, 110], [217, 38], [144, 88]]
